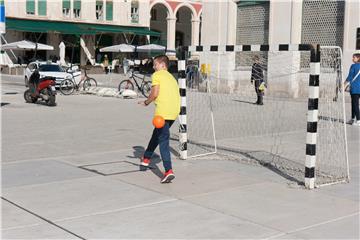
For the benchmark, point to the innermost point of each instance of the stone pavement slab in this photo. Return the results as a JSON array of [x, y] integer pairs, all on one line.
[[14, 217], [192, 178], [349, 190], [79, 197], [36, 172], [169, 220], [132, 154], [277, 206], [73, 127], [342, 228], [43, 231]]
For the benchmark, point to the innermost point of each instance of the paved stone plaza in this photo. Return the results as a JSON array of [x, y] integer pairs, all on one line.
[[71, 172]]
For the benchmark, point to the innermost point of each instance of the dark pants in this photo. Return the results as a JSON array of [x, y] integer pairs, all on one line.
[[355, 112], [161, 137], [259, 93]]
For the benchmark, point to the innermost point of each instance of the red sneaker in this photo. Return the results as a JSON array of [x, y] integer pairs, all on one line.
[[168, 176], [145, 162]]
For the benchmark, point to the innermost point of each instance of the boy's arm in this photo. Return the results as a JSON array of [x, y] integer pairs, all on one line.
[[153, 95], [350, 75]]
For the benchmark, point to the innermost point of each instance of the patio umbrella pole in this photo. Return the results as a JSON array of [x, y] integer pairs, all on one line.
[[72, 55]]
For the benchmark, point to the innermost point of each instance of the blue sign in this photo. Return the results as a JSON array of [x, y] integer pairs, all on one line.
[[2, 13], [2, 17]]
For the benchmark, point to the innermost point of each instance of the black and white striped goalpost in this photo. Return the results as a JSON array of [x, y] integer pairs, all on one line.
[[313, 99], [312, 120], [182, 115]]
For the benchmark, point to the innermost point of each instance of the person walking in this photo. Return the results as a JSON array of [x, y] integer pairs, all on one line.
[[257, 76], [353, 81], [106, 64], [165, 94]]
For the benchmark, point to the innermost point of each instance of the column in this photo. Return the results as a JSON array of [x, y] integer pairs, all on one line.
[[171, 29], [285, 20], [195, 31], [351, 23], [53, 39]]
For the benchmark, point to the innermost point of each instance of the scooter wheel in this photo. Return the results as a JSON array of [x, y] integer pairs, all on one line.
[[28, 98]]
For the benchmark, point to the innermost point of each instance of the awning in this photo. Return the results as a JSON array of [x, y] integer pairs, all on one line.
[[27, 25]]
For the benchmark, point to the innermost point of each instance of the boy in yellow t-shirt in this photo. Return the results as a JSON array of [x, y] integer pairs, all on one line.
[[166, 96]]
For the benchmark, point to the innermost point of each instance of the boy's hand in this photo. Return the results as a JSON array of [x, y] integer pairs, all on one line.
[[142, 103]]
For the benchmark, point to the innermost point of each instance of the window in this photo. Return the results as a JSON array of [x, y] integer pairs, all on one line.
[[77, 8], [30, 7], [109, 10], [66, 8], [358, 39], [42, 7], [178, 17], [134, 11], [50, 68], [153, 14], [323, 23], [99, 10]]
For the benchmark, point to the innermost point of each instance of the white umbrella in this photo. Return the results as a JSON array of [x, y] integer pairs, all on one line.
[[153, 48], [119, 48], [62, 53], [26, 45], [5, 59], [150, 47]]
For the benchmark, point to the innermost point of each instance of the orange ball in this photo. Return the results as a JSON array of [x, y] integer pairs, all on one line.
[[158, 121]]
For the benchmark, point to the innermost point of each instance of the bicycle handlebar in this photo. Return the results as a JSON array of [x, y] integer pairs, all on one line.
[[131, 74]]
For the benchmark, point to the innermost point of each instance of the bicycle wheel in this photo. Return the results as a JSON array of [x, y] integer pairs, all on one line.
[[90, 82], [67, 86], [126, 84], [146, 88]]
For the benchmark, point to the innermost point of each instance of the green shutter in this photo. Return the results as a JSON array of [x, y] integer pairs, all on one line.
[[99, 2], [66, 4], [30, 6], [42, 7], [109, 10], [77, 4]]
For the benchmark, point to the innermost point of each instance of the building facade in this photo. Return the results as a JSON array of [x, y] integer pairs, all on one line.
[[328, 23], [109, 22], [178, 21], [187, 22]]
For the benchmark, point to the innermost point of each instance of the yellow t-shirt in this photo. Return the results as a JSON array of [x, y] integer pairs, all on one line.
[[168, 101]]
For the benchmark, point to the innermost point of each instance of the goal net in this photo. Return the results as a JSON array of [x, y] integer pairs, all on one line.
[[296, 125]]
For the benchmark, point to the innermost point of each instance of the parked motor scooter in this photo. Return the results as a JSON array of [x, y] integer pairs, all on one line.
[[43, 88]]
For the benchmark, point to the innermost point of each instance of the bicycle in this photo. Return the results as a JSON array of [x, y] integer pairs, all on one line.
[[68, 85], [144, 87]]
